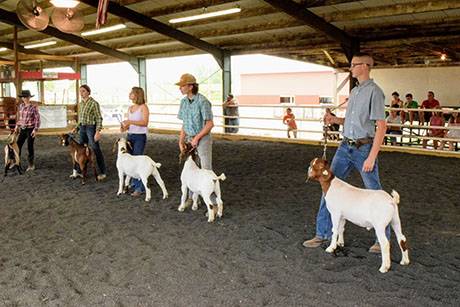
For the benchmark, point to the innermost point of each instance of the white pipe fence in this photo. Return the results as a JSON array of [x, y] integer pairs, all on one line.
[[266, 120]]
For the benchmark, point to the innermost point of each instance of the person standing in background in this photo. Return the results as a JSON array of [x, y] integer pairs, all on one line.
[[27, 125]]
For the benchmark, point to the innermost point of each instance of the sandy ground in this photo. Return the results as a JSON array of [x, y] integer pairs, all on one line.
[[64, 244]]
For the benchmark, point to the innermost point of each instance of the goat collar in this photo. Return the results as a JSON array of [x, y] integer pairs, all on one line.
[[326, 183]]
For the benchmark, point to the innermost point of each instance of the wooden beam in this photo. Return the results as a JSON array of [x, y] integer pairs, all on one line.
[[6, 62], [49, 57], [11, 18], [161, 28], [299, 12]]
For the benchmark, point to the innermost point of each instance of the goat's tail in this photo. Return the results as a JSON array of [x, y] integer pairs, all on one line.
[[221, 177], [157, 165], [395, 197]]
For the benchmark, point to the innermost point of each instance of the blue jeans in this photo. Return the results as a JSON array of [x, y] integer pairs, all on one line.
[[138, 145], [345, 159], [87, 133]]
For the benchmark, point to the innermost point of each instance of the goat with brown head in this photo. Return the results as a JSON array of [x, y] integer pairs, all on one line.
[[12, 158], [81, 156], [319, 170], [188, 151]]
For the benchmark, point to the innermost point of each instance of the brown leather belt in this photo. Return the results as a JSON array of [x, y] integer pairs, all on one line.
[[357, 143]]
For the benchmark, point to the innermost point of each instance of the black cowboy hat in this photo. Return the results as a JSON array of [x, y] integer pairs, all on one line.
[[25, 93]]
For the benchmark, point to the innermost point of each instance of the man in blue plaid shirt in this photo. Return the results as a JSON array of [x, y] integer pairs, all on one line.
[[196, 114]]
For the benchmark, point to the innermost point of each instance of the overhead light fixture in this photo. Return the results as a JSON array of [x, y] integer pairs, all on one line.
[[65, 3], [104, 30], [38, 45], [3, 49], [443, 56], [206, 15]]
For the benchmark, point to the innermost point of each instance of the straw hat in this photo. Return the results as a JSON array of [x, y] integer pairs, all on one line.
[[186, 79]]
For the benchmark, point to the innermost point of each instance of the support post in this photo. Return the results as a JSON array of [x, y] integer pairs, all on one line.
[[142, 74], [226, 75], [226, 82]]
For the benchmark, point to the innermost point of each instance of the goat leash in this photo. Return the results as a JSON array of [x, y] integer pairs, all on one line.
[[325, 129]]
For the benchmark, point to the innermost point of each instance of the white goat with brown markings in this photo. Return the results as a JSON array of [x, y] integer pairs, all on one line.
[[200, 182], [366, 208], [138, 167]]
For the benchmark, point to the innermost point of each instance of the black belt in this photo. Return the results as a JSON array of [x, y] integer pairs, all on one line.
[[357, 143]]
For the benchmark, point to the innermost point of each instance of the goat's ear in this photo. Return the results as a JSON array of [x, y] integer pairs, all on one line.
[[114, 147]]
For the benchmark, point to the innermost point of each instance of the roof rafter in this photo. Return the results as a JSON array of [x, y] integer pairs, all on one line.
[[11, 18], [161, 28], [298, 11]]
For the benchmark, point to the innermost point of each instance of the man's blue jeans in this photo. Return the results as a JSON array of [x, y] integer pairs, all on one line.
[[87, 133], [138, 145], [345, 159]]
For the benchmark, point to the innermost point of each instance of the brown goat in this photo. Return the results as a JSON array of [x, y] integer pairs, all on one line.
[[81, 156], [12, 159]]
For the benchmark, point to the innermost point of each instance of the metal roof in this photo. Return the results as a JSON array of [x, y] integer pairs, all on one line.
[[400, 33]]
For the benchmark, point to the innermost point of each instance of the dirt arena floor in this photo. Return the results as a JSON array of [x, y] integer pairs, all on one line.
[[64, 244]]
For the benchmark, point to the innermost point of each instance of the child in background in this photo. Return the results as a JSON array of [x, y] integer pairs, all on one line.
[[289, 120]]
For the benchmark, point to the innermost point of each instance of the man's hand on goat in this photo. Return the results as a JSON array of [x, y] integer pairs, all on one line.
[[195, 141], [328, 118]]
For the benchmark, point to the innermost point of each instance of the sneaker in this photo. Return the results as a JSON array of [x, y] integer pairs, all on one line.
[[30, 168], [315, 242], [101, 177], [375, 249]]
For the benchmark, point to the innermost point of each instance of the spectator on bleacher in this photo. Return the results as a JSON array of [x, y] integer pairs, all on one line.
[[436, 120], [395, 101], [393, 118], [411, 104], [430, 103], [454, 121]]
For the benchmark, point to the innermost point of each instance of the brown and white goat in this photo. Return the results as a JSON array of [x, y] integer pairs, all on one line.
[[12, 158], [81, 156], [366, 208]]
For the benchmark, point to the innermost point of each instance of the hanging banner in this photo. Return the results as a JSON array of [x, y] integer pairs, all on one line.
[[53, 116]]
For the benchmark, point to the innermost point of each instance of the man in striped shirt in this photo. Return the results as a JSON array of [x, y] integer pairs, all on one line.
[[28, 124]]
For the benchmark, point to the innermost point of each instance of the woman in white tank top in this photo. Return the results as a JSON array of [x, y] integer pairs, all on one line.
[[137, 127]]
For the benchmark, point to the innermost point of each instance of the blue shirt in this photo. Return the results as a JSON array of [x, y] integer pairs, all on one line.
[[194, 113], [366, 104]]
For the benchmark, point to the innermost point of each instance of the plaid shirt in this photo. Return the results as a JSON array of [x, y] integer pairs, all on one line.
[[89, 113], [29, 117], [194, 113]]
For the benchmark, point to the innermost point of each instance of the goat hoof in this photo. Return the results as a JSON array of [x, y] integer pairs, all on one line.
[[181, 208], [195, 207], [165, 196], [330, 249], [404, 262], [147, 199], [383, 269]]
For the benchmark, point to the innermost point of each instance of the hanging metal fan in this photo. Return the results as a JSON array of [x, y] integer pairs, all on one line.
[[68, 20], [32, 15]]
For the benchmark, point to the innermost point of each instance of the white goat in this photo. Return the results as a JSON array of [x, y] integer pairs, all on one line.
[[366, 208], [138, 167], [200, 182]]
